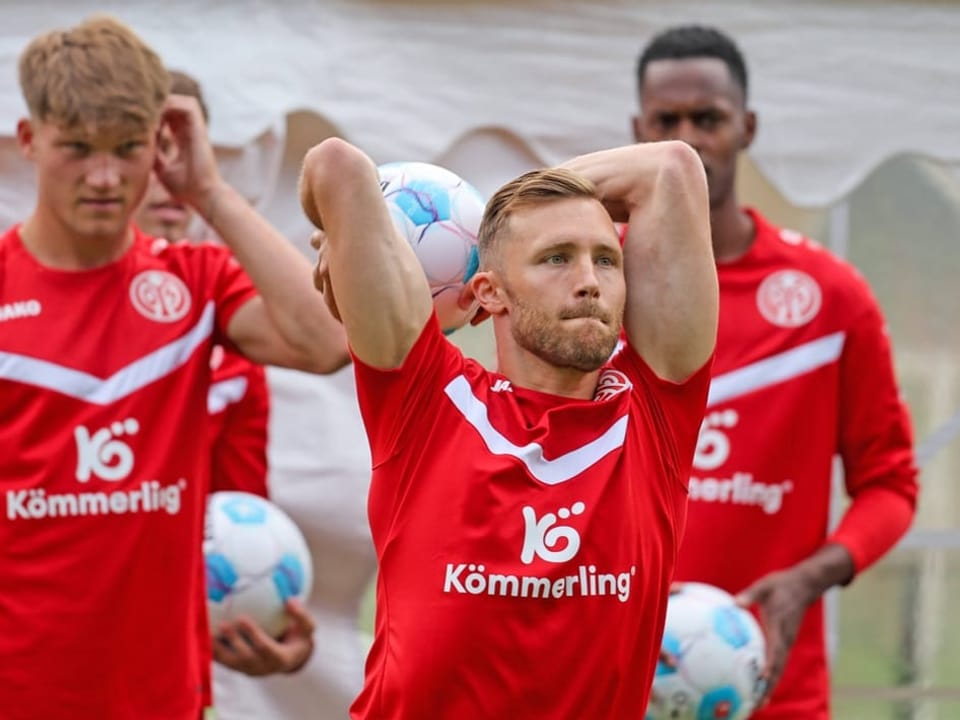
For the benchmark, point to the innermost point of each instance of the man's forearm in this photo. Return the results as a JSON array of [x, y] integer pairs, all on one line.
[[281, 274]]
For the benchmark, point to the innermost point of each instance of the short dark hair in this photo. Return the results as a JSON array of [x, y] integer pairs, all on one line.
[[694, 41], [183, 84]]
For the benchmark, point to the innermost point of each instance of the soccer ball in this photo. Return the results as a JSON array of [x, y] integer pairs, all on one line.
[[255, 558], [439, 214], [718, 648]]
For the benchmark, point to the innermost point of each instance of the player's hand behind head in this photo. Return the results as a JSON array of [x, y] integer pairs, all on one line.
[[307, 202], [321, 272], [185, 163], [598, 167]]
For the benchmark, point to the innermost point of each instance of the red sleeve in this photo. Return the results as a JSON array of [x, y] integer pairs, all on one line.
[[232, 287], [876, 444], [239, 444], [390, 400], [676, 408]]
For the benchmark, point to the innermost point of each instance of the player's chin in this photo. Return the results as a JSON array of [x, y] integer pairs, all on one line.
[[100, 228], [588, 352], [592, 332], [586, 361]]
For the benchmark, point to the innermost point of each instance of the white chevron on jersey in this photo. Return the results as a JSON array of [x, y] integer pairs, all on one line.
[[776, 369], [126, 380], [226, 392], [550, 472]]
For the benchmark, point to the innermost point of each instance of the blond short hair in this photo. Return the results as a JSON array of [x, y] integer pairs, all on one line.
[[535, 187], [97, 73]]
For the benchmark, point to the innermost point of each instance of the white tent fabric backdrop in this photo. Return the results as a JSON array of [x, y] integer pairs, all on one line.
[[844, 85], [491, 88]]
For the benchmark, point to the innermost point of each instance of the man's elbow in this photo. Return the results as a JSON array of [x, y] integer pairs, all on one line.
[[681, 164], [331, 361], [325, 166], [316, 360], [327, 352]]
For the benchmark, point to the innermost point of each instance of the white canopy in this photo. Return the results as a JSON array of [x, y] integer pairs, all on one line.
[[841, 86]]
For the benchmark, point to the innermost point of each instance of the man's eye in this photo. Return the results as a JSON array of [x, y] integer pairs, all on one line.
[[707, 121], [129, 147]]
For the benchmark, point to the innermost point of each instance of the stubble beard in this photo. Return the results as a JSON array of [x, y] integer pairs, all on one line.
[[586, 351]]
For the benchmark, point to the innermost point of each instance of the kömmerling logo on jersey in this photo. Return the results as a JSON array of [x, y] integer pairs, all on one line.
[[20, 309], [712, 452], [101, 454], [148, 497], [551, 541], [740, 489]]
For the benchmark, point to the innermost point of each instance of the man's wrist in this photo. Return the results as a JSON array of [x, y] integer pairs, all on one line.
[[830, 566], [209, 201]]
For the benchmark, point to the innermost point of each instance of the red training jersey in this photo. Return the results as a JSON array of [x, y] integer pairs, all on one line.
[[803, 371], [104, 468], [239, 407], [526, 541]]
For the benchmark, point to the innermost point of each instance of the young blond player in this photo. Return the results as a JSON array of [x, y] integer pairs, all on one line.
[[104, 372]]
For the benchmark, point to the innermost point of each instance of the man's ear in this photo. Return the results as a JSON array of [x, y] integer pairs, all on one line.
[[479, 316], [749, 129], [468, 302], [484, 286], [25, 135]]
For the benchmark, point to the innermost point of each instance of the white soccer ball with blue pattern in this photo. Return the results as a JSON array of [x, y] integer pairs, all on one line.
[[718, 651], [256, 559], [439, 214]]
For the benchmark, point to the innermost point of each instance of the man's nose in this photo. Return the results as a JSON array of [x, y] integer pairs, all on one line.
[[588, 284], [103, 173]]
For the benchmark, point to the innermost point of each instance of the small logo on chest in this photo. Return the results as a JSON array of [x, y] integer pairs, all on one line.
[[20, 309], [501, 385], [160, 296], [610, 384], [789, 298]]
